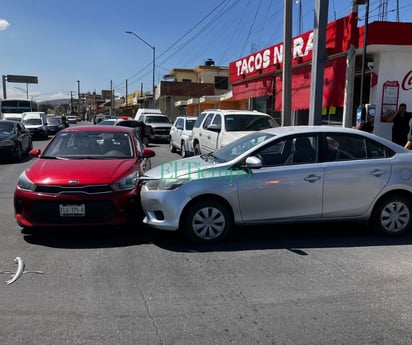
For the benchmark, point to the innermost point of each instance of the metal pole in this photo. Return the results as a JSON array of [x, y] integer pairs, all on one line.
[[287, 65], [365, 43], [126, 93], [4, 87], [319, 57], [78, 98], [153, 76], [347, 120]]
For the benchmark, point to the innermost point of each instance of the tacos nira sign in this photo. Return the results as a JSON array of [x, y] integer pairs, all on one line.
[[271, 59]]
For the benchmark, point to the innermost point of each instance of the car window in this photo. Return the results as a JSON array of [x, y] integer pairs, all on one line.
[[376, 150], [6, 127], [104, 145], [292, 150], [179, 122], [208, 120], [248, 122], [199, 120], [217, 120], [240, 146], [190, 124], [343, 147], [33, 121]]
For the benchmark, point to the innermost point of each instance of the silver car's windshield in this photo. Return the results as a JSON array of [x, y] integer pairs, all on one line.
[[240, 146]]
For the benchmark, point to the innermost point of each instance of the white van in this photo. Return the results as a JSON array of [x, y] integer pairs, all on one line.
[[36, 123]]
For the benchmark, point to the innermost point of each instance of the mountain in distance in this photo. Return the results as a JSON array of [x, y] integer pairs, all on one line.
[[55, 102]]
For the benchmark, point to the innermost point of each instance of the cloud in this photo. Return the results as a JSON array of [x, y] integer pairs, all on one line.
[[3, 24]]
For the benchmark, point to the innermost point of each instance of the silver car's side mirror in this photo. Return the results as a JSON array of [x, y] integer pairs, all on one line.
[[253, 162]]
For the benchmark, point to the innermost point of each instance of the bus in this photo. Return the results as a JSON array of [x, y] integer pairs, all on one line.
[[12, 109]]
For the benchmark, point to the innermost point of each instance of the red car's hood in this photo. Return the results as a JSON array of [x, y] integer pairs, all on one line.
[[84, 171]]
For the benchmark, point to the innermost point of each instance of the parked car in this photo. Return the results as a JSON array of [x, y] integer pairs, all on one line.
[[15, 140], [215, 128], [107, 122], [36, 123], [143, 130], [86, 176], [284, 175], [72, 118], [146, 111], [98, 118], [54, 124], [143, 133], [159, 125], [181, 135]]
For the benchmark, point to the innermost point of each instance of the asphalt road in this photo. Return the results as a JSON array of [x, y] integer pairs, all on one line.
[[295, 284]]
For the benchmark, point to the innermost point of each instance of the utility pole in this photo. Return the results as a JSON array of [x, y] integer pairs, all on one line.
[[287, 65], [111, 98], [78, 98], [365, 43], [319, 57], [126, 93], [347, 120]]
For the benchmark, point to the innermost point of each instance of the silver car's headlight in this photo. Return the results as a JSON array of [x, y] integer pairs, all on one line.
[[165, 184], [126, 183], [25, 184]]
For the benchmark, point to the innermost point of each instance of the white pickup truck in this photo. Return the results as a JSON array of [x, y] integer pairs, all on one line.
[[214, 128]]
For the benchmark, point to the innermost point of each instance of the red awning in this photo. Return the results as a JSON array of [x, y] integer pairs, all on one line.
[[253, 88], [333, 87]]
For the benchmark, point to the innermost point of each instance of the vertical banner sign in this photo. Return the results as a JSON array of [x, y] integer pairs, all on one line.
[[390, 95]]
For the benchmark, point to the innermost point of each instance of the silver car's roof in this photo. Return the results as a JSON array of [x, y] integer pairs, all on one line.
[[287, 130]]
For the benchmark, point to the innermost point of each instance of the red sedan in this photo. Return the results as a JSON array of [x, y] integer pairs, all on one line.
[[86, 175]]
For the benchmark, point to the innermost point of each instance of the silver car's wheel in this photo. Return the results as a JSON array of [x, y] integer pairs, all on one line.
[[207, 221], [392, 215]]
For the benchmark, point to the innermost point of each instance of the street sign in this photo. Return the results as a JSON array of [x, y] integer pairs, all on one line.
[[22, 79]]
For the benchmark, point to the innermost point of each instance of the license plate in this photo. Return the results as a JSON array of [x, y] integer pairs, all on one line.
[[72, 210]]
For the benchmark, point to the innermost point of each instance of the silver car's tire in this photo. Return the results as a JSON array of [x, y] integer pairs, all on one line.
[[207, 221], [392, 215]]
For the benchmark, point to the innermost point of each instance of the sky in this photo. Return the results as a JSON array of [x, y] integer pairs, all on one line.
[[65, 41]]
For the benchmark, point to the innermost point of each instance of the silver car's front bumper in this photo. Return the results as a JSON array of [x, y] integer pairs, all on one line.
[[163, 208]]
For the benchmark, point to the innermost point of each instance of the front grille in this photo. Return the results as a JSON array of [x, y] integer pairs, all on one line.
[[48, 212], [162, 131], [92, 189]]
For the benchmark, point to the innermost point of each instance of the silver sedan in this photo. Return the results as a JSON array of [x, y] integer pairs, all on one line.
[[281, 175]]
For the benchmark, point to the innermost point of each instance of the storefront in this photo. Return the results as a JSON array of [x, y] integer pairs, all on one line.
[[389, 70]]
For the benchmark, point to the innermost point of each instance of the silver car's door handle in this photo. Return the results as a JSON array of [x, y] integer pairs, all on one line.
[[312, 178], [378, 172]]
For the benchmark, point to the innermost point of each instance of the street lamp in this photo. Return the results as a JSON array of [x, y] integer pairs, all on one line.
[[26, 91], [153, 62]]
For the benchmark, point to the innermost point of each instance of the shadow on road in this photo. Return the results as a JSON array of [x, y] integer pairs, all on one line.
[[88, 237], [294, 237]]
